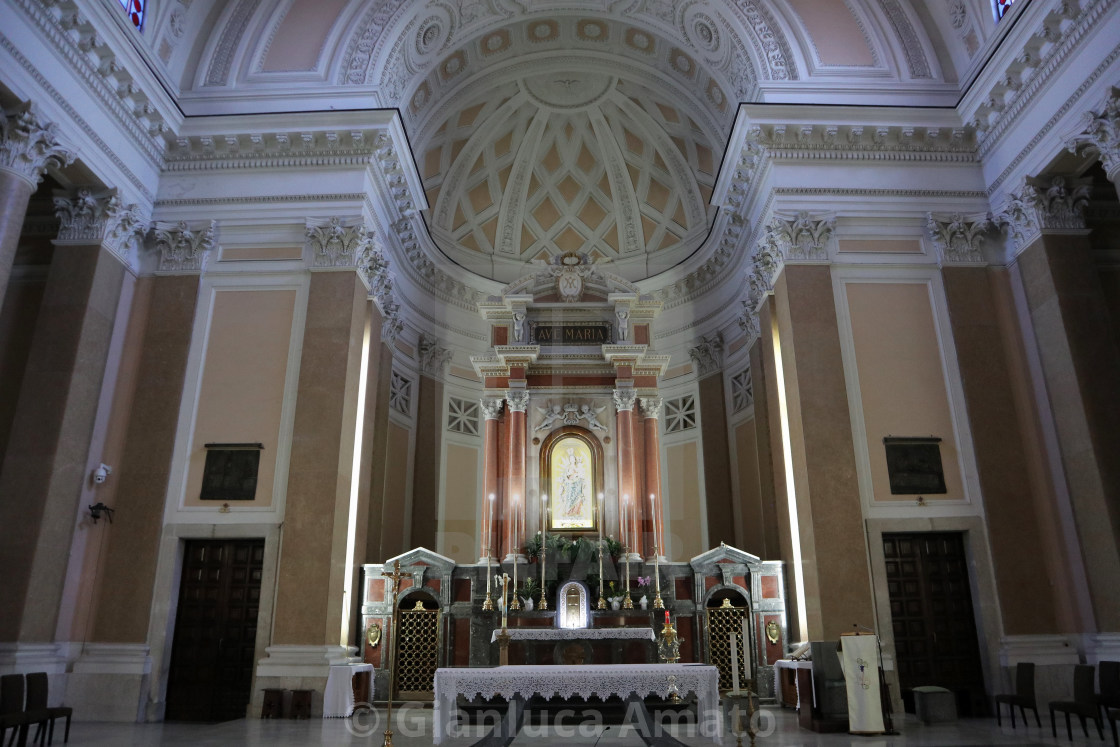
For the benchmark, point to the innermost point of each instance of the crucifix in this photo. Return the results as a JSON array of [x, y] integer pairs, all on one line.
[[393, 584]]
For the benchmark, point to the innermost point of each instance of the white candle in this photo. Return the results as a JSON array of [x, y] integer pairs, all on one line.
[[489, 535], [746, 656], [544, 515], [734, 664], [600, 518], [656, 534], [626, 540]]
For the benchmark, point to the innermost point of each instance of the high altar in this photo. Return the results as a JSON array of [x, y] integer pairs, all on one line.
[[571, 451]]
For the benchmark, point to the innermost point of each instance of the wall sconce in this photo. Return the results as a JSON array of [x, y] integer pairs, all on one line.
[[97, 510]]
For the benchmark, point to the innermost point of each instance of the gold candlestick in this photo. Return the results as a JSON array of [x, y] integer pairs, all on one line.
[[602, 605], [488, 603], [515, 604], [544, 551], [627, 602], [505, 602], [657, 603]]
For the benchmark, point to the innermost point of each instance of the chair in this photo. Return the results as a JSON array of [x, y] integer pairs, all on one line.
[[12, 713], [1113, 716], [1023, 696], [37, 701], [1084, 703], [1109, 674]]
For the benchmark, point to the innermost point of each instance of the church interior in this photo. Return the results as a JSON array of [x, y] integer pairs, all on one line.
[[419, 339]]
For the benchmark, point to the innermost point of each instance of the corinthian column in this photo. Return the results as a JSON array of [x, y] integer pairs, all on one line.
[[491, 408], [1101, 136], [628, 504], [651, 409], [517, 401], [28, 145]]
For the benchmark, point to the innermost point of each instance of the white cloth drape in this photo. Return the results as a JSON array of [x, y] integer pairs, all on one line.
[[859, 658]]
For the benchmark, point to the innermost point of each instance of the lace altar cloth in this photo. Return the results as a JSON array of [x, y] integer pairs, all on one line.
[[575, 634], [583, 680]]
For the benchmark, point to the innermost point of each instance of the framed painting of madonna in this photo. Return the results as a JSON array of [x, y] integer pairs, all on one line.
[[571, 476]]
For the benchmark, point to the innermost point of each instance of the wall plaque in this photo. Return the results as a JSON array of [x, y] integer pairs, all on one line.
[[590, 333], [914, 465]]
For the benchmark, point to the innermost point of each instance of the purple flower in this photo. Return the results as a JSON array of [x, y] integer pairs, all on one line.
[[644, 580]]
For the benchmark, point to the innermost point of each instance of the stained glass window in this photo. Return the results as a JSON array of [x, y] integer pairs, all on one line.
[[1002, 6], [135, 10]]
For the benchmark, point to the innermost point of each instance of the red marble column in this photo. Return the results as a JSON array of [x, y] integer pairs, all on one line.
[[629, 505], [491, 408], [29, 145], [651, 409], [517, 401]]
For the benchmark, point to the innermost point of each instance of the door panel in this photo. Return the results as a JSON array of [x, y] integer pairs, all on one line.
[[932, 616], [215, 630]]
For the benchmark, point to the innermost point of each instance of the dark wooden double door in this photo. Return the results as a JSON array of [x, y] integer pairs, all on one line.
[[212, 659], [932, 616]]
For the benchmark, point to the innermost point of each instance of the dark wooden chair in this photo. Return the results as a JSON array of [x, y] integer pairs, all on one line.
[[1108, 673], [1113, 716], [13, 715], [37, 701], [1083, 705], [1023, 697]]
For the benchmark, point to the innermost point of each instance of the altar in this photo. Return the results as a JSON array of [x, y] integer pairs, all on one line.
[[587, 681]]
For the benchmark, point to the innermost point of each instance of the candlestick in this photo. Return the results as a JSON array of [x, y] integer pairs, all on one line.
[[658, 603], [544, 550], [734, 665], [505, 606], [627, 602], [602, 601], [488, 603], [515, 603]]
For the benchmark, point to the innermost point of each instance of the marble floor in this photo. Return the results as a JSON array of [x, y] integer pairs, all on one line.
[[416, 729]]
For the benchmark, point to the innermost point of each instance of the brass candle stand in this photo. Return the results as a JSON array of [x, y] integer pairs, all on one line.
[[736, 718], [602, 605], [669, 645], [488, 603], [627, 602], [658, 604], [544, 555], [515, 604]]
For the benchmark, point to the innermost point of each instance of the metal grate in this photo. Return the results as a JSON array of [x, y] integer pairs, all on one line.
[[417, 653], [680, 414], [742, 390], [462, 416], [721, 622]]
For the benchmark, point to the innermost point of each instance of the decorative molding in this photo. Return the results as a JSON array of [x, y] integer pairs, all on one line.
[[830, 141], [85, 218], [624, 399], [334, 244], [491, 407], [708, 355], [428, 275], [748, 322], [801, 237], [1100, 135], [911, 44], [434, 358], [517, 400], [390, 164], [742, 390], [274, 150], [959, 238], [29, 145], [181, 248], [1057, 204], [651, 406], [569, 413]]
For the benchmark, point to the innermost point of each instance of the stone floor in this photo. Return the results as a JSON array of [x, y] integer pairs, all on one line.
[[416, 730]]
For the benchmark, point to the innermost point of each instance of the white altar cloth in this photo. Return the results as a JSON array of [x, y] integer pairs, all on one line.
[[575, 634], [583, 680], [338, 697], [781, 664]]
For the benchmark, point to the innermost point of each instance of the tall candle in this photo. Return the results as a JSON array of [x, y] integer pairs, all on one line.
[[746, 663], [515, 577], [656, 534], [626, 540], [490, 527], [600, 518], [734, 664], [666, 617]]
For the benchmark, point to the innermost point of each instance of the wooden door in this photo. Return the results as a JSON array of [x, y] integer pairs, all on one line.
[[215, 631], [932, 617]]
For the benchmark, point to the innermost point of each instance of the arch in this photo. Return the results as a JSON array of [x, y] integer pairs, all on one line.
[[581, 517], [576, 615]]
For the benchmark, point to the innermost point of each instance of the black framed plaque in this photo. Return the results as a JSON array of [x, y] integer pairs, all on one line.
[[914, 465], [230, 473]]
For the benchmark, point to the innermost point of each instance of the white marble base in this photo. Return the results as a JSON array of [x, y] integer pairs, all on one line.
[[1101, 647], [109, 682], [20, 658]]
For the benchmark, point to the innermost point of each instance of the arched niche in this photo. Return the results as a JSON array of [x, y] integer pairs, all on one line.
[[568, 454], [572, 607]]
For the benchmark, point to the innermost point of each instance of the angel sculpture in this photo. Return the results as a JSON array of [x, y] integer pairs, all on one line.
[[592, 417], [549, 415]]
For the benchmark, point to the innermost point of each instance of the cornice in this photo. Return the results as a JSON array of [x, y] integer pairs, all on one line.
[[72, 35]]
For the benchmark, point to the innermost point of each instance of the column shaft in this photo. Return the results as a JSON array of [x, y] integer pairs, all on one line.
[[15, 194], [515, 494], [628, 502], [44, 467], [486, 546], [653, 485]]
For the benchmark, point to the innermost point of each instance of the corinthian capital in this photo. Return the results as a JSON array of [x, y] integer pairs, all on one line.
[[491, 407], [1055, 204], [29, 145], [959, 239], [86, 218], [334, 244], [708, 355], [517, 400], [624, 399], [1101, 135], [433, 357], [801, 237], [181, 248], [651, 406]]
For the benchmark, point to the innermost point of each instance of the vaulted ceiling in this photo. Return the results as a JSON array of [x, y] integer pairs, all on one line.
[[540, 129]]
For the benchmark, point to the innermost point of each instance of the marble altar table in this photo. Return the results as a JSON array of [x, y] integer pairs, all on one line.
[[584, 681]]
